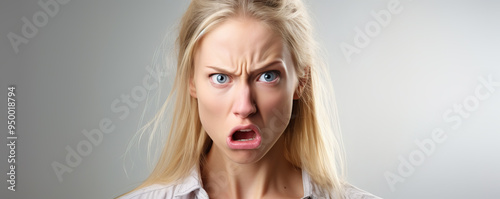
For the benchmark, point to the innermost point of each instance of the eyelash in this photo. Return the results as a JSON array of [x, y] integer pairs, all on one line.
[[275, 72]]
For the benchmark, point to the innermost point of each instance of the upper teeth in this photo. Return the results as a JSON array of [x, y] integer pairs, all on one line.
[[245, 130], [242, 140]]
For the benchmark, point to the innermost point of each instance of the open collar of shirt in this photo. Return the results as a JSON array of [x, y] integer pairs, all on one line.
[[193, 186]]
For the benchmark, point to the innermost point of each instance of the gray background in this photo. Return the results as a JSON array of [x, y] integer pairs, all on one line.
[[428, 58]]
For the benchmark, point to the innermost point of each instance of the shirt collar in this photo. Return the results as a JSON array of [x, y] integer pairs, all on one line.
[[193, 185], [311, 190]]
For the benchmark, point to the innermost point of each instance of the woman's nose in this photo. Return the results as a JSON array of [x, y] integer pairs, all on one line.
[[244, 104]]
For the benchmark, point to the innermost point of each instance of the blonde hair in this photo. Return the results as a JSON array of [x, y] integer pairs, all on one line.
[[315, 143]]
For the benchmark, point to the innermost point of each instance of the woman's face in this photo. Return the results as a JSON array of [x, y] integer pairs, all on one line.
[[244, 82]]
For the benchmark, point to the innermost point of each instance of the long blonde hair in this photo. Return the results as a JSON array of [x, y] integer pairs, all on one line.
[[315, 143]]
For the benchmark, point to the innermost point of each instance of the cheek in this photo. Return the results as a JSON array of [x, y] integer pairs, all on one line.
[[212, 109], [208, 107], [276, 109]]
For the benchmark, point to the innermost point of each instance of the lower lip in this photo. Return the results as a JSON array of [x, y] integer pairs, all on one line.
[[250, 144]]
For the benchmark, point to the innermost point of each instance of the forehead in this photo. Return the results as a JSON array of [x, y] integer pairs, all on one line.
[[239, 40]]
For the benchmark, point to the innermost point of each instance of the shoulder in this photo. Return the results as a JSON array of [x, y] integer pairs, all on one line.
[[313, 190], [189, 187], [152, 191], [353, 192]]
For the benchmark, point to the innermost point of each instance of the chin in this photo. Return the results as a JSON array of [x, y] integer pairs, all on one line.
[[245, 156]]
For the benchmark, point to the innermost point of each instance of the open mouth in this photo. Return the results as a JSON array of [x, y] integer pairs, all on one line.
[[244, 137]]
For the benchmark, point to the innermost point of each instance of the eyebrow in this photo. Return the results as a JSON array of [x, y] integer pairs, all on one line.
[[259, 69]]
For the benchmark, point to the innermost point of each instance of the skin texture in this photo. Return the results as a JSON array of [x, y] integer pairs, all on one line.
[[258, 87]]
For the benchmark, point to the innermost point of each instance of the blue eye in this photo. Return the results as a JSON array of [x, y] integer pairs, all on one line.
[[269, 76], [219, 78]]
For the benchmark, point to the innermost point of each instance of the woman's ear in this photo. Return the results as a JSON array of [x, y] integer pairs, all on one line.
[[303, 80], [192, 88]]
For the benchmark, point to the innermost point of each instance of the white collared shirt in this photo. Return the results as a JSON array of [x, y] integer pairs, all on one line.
[[191, 187]]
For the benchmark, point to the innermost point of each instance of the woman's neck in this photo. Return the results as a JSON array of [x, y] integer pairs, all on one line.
[[270, 177]]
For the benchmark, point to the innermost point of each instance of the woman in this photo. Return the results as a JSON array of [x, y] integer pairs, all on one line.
[[249, 119]]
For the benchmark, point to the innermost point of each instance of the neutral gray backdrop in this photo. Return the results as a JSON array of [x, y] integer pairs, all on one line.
[[427, 60]]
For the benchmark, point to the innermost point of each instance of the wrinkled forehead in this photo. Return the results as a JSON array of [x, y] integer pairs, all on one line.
[[239, 40]]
